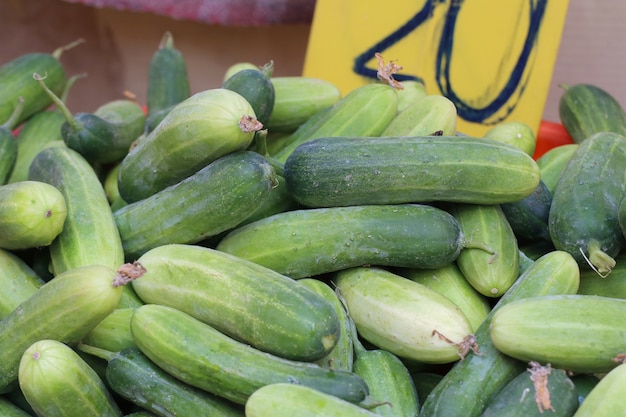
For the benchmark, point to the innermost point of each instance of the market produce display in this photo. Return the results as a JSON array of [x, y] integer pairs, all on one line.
[[268, 247]]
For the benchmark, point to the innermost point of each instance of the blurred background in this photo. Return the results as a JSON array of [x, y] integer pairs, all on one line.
[[122, 35]]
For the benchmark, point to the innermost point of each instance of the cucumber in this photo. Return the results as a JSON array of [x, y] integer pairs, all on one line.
[[65, 309], [552, 163], [541, 388], [411, 91], [244, 300], [199, 130], [587, 109], [342, 355], [425, 382], [364, 111], [37, 133], [56, 381], [489, 370], [17, 280], [16, 79], [583, 218], [515, 133], [297, 98], [178, 343], [257, 88], [8, 145], [584, 383], [294, 399], [236, 67], [614, 285], [32, 214], [216, 198], [401, 316], [168, 81], [430, 115], [492, 272], [606, 399], [9, 409], [346, 171], [450, 282], [113, 332], [573, 332], [308, 242], [137, 379], [529, 216], [89, 234]]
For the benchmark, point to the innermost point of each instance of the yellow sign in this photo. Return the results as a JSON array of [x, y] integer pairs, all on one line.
[[494, 59]]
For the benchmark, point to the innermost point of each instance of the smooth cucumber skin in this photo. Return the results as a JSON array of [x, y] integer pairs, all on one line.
[[606, 399], [257, 88], [583, 217], [249, 302], [515, 133], [450, 282], [32, 214], [36, 134], [113, 332], [136, 378], [529, 216], [17, 280], [194, 133], [8, 155], [613, 285], [168, 81], [586, 109], [57, 382], [333, 171], [365, 111], [412, 91], [402, 316], [89, 235], [491, 272], [16, 77], [297, 98], [430, 115], [294, 399], [552, 163], [517, 398], [573, 332], [308, 242], [389, 382], [215, 199], [179, 343], [489, 371], [342, 355], [63, 309], [9, 409]]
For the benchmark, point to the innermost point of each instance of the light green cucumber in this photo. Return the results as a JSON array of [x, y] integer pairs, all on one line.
[[431, 115], [552, 163], [515, 133], [113, 332], [247, 301], [17, 280], [9, 409], [402, 316], [411, 91], [606, 399]]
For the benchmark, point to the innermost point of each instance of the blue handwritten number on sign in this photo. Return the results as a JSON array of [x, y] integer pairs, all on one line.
[[516, 81]]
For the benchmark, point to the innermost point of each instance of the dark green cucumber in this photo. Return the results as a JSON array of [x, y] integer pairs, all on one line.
[[579, 333], [9, 409], [65, 309], [552, 163], [179, 344], [257, 88], [584, 383], [32, 214], [297, 99], [528, 217], [606, 399], [295, 399], [583, 217], [343, 171], [16, 79], [168, 81], [8, 145], [56, 381], [489, 370], [535, 391], [613, 285], [309, 242], [244, 300], [89, 234], [587, 109], [17, 280], [212, 200], [491, 272], [134, 377], [197, 131], [35, 134], [365, 111]]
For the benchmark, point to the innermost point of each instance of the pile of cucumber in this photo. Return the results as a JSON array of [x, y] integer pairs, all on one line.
[[269, 247]]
